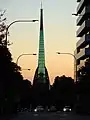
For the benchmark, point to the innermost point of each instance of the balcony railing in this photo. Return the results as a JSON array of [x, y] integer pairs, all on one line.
[[80, 6], [78, 0], [83, 41], [84, 15], [84, 53], [83, 29], [80, 65]]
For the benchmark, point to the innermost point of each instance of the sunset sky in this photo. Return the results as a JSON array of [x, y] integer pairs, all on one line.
[[59, 34]]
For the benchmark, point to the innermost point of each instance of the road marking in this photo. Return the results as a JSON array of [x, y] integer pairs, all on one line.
[[36, 114]]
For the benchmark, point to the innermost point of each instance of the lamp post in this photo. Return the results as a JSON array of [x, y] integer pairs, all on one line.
[[25, 69], [75, 14], [74, 59], [23, 55], [16, 22]]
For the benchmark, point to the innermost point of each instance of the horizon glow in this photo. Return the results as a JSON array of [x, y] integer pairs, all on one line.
[[59, 34]]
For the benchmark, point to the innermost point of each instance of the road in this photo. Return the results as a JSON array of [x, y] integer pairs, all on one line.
[[50, 116]]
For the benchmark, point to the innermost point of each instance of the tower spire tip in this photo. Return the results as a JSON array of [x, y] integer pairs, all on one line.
[[41, 4]]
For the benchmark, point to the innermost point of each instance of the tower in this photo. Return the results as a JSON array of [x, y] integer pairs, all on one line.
[[41, 74]]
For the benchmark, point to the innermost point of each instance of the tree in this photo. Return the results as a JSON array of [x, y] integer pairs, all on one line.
[[10, 76], [26, 96], [63, 91]]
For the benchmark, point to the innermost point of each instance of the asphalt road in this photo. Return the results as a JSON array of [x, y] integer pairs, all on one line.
[[50, 116]]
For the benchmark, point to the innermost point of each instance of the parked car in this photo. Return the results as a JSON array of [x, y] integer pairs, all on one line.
[[52, 109], [67, 109], [39, 109]]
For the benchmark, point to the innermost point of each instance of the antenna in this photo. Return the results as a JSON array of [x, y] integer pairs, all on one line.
[[41, 4]]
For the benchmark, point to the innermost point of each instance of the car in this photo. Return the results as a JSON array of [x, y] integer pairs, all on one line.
[[39, 109], [67, 109], [52, 109]]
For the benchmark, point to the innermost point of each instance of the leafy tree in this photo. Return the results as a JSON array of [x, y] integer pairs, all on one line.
[[26, 96], [10, 77], [62, 91]]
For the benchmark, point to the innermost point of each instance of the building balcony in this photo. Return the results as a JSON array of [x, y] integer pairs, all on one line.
[[75, 52], [85, 40], [80, 65], [78, 0], [84, 15], [84, 53], [80, 6], [83, 29]]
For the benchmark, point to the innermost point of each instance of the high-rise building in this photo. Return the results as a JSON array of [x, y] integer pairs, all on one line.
[[41, 74], [82, 51]]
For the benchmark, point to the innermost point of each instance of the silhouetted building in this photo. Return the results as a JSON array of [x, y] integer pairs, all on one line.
[[41, 74], [82, 51]]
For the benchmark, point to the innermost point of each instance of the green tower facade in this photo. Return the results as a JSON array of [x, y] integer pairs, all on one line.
[[41, 54], [41, 74]]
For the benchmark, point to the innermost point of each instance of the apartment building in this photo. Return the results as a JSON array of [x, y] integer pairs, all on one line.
[[82, 51]]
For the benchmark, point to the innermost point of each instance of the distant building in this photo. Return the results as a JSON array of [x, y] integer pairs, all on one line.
[[82, 51]]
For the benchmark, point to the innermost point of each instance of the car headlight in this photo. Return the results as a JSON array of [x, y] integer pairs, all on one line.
[[64, 109], [35, 110]]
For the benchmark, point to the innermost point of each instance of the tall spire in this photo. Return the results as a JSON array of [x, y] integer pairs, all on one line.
[[41, 4], [41, 55], [41, 74], [41, 18]]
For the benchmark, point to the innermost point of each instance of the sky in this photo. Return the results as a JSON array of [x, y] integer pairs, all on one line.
[[59, 35]]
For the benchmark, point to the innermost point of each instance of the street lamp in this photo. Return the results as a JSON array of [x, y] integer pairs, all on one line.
[[22, 55], [16, 22], [74, 59], [25, 69], [75, 14]]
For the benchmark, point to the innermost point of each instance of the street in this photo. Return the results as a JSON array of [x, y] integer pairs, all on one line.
[[50, 116]]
